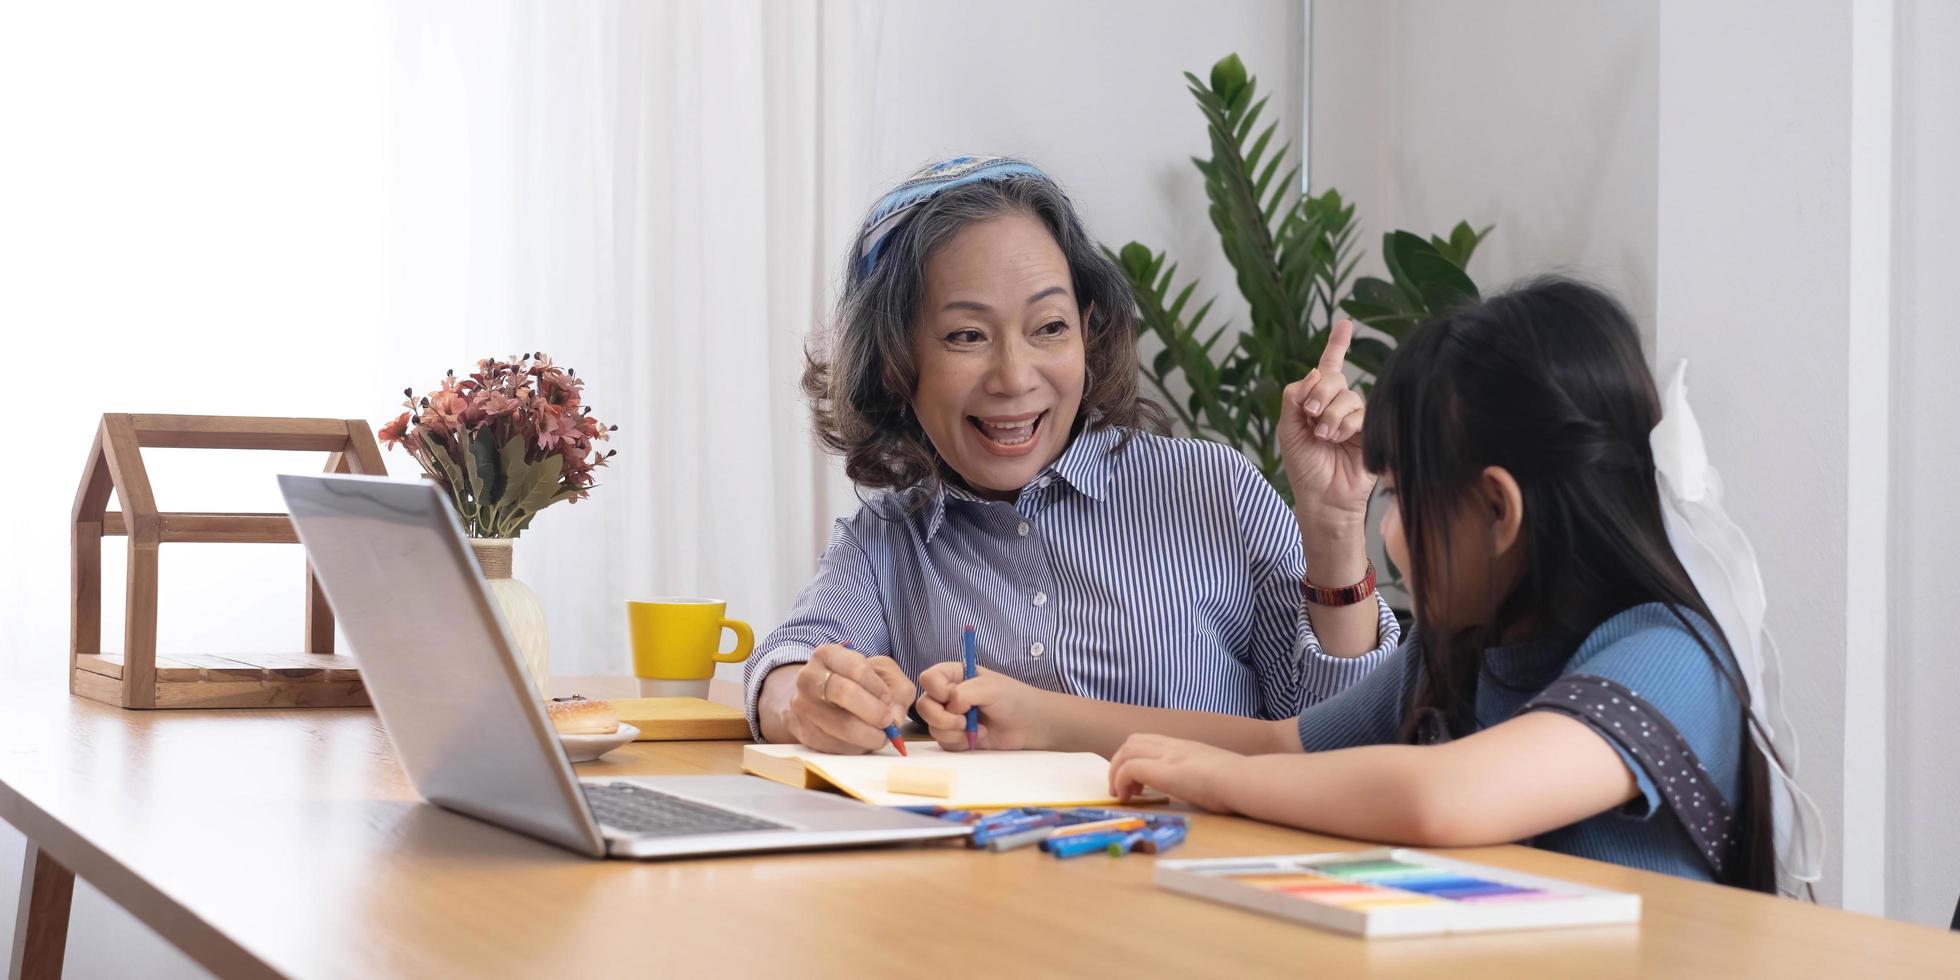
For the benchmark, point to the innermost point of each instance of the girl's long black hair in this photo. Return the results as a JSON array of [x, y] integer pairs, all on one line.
[[1546, 380]]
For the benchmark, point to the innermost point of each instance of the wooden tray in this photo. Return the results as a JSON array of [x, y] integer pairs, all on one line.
[[682, 719]]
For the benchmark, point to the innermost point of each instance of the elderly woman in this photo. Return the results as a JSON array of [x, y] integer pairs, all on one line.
[[980, 375]]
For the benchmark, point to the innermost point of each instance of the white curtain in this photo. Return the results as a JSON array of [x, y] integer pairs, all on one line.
[[657, 195], [225, 207]]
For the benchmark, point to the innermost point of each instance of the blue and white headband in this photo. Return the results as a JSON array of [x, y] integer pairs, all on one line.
[[898, 204]]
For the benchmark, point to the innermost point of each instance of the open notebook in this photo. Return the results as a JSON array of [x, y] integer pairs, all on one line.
[[982, 779]]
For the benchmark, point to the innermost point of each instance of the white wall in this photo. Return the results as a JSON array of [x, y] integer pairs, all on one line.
[[1821, 333], [1092, 91], [1924, 868], [1536, 116], [178, 241], [1756, 139]]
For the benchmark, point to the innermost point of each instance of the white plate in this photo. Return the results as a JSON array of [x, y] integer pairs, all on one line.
[[585, 748]]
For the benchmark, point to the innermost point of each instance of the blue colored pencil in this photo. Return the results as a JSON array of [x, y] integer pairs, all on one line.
[[970, 671], [988, 831], [1001, 818], [1162, 838], [1085, 844]]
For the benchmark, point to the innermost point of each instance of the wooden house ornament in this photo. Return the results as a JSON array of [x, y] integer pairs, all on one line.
[[140, 677]]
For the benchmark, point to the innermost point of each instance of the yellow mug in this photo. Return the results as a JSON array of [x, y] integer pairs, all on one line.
[[680, 639]]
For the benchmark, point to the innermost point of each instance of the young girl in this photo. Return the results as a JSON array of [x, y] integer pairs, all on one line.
[[1564, 686]]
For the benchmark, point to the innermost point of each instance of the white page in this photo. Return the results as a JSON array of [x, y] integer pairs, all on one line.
[[983, 779]]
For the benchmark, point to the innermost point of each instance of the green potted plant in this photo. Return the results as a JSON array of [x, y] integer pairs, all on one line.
[[1294, 255]]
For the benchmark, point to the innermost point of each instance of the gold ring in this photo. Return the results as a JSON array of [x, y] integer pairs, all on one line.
[[823, 689]]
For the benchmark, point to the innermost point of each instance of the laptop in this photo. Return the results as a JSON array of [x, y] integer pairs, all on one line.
[[472, 733]]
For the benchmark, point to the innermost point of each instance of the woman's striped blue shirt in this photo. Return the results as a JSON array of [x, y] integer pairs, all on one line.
[[1162, 572]]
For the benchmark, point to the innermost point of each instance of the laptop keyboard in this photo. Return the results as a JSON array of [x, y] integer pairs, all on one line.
[[649, 813]]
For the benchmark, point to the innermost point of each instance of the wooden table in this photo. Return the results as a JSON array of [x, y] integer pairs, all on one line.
[[287, 842]]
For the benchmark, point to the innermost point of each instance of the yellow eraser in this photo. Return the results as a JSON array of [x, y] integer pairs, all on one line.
[[920, 780]]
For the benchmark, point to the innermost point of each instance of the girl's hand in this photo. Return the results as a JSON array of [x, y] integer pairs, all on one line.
[[1012, 714], [1193, 772], [843, 700], [1320, 440]]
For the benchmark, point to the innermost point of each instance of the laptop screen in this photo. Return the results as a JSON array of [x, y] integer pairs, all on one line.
[[435, 656]]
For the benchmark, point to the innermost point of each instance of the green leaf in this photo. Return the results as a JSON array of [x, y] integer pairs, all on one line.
[[480, 508], [1203, 311], [1241, 99], [438, 454], [1258, 150], [1384, 307], [1392, 245], [1461, 244], [1228, 76], [1374, 292], [1265, 180], [485, 475], [1251, 120], [1369, 354], [1431, 275], [541, 485], [1247, 121], [1266, 396], [1220, 332], [511, 462], [1177, 305], [516, 476], [522, 523], [1235, 373], [435, 459]]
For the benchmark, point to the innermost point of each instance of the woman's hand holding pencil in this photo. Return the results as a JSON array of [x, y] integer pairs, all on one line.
[[845, 702]]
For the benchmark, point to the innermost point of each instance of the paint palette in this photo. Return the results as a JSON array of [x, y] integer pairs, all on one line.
[[1396, 892]]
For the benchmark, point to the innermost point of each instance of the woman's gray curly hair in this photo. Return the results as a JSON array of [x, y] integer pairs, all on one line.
[[859, 372]]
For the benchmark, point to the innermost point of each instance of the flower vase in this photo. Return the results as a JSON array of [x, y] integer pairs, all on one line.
[[523, 614]]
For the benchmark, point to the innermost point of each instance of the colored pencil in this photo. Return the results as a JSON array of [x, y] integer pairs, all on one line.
[[891, 731], [1009, 842], [971, 669], [1101, 826], [1068, 847]]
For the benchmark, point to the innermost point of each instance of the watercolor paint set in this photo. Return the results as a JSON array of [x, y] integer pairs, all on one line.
[[1396, 892]]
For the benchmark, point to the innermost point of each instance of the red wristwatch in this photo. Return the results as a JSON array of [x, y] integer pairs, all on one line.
[[1340, 597]]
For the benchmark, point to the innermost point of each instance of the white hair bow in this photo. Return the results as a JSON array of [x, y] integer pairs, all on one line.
[[1723, 566]]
